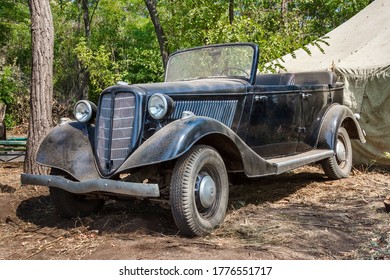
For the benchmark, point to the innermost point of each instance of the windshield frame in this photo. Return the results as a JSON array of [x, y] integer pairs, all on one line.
[[252, 75]]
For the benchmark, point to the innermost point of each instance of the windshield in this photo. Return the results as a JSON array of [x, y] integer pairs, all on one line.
[[235, 61]]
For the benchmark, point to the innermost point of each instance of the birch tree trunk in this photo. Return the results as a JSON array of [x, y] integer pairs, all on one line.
[[41, 91]]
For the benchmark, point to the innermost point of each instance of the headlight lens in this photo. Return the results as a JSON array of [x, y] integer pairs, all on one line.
[[84, 111], [160, 106]]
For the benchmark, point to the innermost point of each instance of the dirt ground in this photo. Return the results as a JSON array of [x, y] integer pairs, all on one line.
[[297, 215]]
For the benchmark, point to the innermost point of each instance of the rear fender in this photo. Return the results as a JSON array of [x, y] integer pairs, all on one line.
[[176, 138], [336, 116], [68, 147]]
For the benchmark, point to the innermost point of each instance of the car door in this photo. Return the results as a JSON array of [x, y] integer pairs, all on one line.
[[274, 121], [316, 95], [314, 100]]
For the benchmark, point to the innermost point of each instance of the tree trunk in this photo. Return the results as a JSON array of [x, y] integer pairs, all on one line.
[[162, 41], [83, 76], [231, 11], [283, 10], [41, 91], [87, 23]]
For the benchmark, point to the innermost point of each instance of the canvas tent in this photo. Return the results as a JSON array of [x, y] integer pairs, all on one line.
[[359, 53]]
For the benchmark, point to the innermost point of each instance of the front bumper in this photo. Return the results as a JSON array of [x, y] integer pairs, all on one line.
[[96, 185]]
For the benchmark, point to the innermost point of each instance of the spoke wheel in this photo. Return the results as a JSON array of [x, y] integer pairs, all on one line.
[[339, 166], [199, 191]]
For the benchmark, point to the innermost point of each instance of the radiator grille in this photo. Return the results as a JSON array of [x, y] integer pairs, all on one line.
[[114, 130], [221, 110]]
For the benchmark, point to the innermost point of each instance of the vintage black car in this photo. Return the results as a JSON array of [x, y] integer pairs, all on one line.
[[180, 142]]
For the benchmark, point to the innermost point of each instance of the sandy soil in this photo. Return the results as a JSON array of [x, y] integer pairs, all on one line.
[[297, 215]]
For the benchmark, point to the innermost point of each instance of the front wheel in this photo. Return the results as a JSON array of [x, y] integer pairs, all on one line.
[[199, 191], [70, 205], [339, 166]]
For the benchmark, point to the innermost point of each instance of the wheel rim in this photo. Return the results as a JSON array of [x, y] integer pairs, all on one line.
[[341, 152], [205, 193]]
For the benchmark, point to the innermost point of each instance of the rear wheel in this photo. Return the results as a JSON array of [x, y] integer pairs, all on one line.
[[339, 166], [199, 191], [70, 205]]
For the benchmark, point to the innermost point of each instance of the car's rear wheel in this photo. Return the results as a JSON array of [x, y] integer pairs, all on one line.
[[69, 205], [340, 164], [199, 191]]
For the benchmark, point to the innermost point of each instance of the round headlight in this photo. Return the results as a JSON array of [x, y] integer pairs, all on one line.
[[84, 111], [159, 106]]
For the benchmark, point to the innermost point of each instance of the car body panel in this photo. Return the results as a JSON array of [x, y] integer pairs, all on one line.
[[274, 120], [179, 136], [68, 147], [338, 115]]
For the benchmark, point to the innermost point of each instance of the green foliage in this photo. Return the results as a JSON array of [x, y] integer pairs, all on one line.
[[144, 66], [122, 44], [12, 12], [103, 72], [11, 87], [277, 31], [15, 57], [8, 85], [186, 23], [15, 40]]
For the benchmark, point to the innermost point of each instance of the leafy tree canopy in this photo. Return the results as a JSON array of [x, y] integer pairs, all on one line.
[[98, 42]]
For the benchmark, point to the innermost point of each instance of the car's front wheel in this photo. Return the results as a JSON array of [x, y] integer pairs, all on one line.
[[199, 191], [70, 205], [340, 164]]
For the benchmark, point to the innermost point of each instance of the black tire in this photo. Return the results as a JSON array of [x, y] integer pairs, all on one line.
[[69, 205], [199, 191], [339, 166]]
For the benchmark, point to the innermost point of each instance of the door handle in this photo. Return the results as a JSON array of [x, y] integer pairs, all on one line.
[[305, 96], [261, 98]]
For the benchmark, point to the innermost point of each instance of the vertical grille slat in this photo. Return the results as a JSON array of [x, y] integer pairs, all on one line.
[[221, 110], [114, 130]]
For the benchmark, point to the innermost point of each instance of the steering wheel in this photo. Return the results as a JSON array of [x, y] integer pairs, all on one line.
[[229, 69]]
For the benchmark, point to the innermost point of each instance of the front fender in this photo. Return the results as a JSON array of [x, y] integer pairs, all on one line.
[[336, 116], [176, 138], [68, 147]]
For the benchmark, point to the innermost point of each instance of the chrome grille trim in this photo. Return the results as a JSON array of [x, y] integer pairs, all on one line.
[[114, 130], [221, 110]]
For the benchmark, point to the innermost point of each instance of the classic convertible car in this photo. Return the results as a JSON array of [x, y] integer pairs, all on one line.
[[180, 141]]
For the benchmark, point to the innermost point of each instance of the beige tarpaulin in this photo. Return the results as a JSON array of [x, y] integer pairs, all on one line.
[[359, 52]]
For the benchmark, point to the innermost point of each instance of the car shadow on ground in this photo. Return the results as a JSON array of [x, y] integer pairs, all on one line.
[[115, 217], [271, 188], [124, 217]]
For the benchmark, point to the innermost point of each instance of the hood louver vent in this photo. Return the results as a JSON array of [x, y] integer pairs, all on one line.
[[221, 110]]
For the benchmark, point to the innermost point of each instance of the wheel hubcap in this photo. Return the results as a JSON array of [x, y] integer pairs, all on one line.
[[206, 190], [340, 151]]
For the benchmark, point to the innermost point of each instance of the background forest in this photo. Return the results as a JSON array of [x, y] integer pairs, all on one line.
[[99, 42]]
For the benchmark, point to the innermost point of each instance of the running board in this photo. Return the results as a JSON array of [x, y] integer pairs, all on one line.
[[291, 162]]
